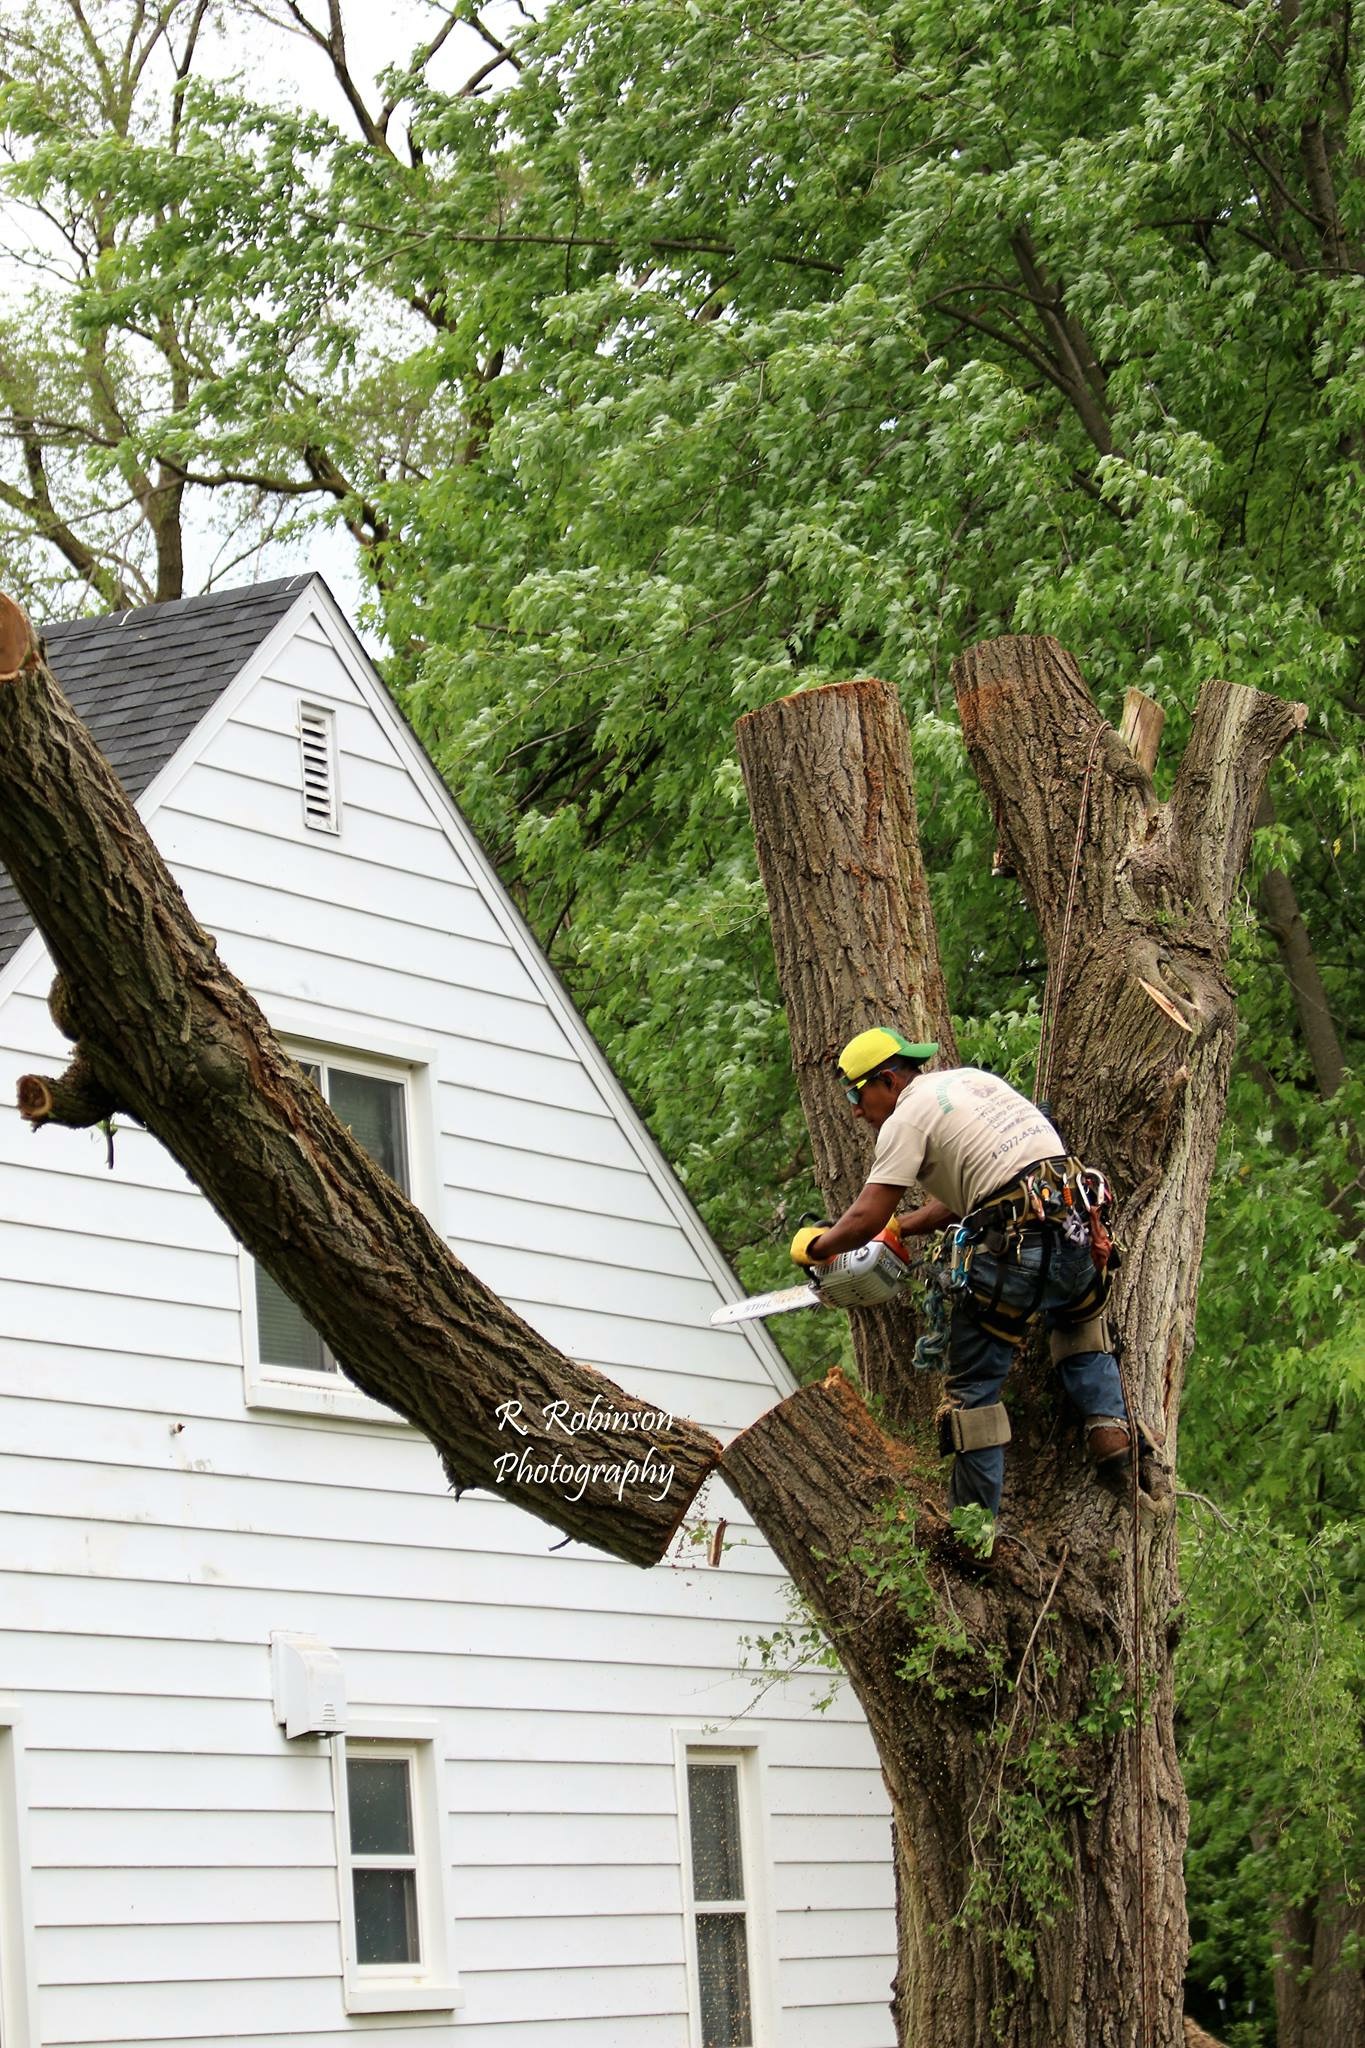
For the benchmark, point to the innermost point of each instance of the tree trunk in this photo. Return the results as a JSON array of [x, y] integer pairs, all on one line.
[[833, 801], [1280, 909], [1038, 1845], [166, 1034], [1319, 1978]]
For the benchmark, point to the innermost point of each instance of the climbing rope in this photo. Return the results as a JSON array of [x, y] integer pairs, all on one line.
[[931, 1348], [1052, 994], [1042, 1088], [1139, 1772]]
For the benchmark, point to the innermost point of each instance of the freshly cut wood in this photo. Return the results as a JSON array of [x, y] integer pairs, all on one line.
[[1141, 729], [164, 1033]]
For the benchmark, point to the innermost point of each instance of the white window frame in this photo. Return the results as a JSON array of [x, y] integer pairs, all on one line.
[[432, 1985], [706, 1745], [293, 1389], [18, 1978]]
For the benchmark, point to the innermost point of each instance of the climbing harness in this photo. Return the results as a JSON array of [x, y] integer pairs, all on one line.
[[1063, 1192], [931, 1348]]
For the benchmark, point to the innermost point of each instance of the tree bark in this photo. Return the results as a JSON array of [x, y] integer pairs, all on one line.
[[166, 1034], [1040, 1898], [833, 802], [1280, 909], [1319, 1980]]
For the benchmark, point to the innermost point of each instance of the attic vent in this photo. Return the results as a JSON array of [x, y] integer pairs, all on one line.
[[318, 745]]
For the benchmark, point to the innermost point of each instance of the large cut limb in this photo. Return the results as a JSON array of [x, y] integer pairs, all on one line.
[[166, 1033]]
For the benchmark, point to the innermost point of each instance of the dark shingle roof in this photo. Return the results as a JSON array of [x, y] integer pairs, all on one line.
[[142, 680]]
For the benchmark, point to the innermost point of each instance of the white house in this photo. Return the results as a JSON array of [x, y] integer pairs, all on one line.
[[559, 1812]]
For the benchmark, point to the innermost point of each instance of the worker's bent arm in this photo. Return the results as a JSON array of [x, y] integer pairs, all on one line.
[[935, 1215], [860, 1222], [871, 1213]]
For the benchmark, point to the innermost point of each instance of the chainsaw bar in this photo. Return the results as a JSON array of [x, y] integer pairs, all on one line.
[[780, 1302]]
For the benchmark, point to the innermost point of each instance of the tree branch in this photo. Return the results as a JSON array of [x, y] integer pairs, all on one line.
[[175, 1038], [666, 245], [75, 1099], [1236, 735]]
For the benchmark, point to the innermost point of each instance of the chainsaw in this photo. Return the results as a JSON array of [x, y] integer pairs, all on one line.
[[860, 1279]]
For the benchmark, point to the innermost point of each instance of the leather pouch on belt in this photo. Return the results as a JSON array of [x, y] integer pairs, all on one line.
[[972, 1429]]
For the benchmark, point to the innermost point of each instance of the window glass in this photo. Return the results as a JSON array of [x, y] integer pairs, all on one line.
[[383, 1859], [381, 1806], [283, 1332], [374, 1110], [386, 1916], [719, 1918], [723, 1980], [713, 1797]]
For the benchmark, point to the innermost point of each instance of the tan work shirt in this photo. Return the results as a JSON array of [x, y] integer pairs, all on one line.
[[961, 1134]]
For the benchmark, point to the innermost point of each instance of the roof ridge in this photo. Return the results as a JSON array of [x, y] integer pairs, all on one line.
[[203, 600], [143, 679]]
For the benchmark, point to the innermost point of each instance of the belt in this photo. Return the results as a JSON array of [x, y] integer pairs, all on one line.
[[1016, 1191]]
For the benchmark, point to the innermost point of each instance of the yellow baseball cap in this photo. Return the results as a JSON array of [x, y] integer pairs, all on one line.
[[872, 1049]]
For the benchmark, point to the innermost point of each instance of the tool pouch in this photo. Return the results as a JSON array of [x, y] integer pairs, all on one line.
[[1091, 1335], [972, 1429]]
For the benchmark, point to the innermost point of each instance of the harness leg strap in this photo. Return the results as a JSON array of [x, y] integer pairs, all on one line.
[[972, 1429], [1091, 1335]]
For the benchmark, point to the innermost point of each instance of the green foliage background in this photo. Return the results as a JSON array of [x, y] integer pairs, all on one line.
[[738, 346]]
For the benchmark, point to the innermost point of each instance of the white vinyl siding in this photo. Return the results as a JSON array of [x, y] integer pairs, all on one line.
[[155, 1530]]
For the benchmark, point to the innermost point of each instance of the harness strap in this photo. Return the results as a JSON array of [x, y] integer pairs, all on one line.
[[1088, 1305]]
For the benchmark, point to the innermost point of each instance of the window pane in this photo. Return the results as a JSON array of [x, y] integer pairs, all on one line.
[[723, 1975], [379, 1795], [283, 1332], [713, 1800], [373, 1111], [386, 1916]]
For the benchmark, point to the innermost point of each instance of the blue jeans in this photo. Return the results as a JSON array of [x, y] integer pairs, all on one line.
[[979, 1364]]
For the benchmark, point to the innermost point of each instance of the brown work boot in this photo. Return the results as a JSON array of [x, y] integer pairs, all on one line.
[[1108, 1444]]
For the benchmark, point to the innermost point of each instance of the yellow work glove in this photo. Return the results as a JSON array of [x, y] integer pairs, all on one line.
[[803, 1241]]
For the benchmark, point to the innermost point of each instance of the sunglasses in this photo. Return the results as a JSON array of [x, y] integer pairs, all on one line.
[[853, 1089]]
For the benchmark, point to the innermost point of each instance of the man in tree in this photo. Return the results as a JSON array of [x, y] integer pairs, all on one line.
[[1032, 1240]]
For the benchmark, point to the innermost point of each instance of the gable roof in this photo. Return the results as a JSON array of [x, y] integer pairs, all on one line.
[[143, 679]]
